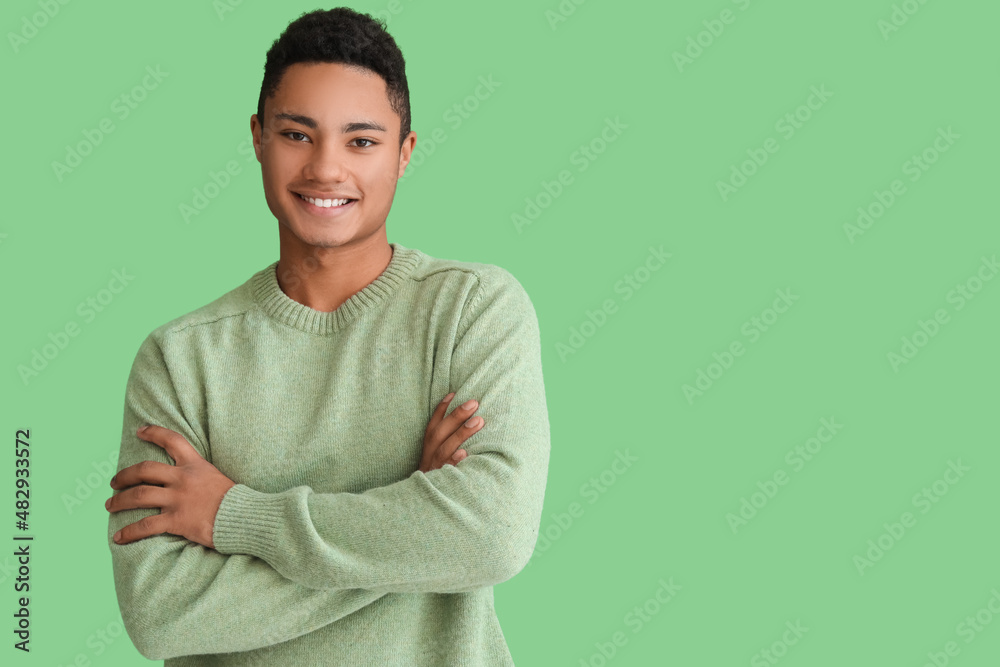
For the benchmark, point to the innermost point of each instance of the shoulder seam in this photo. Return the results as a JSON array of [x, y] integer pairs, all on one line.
[[446, 268], [473, 303], [181, 327]]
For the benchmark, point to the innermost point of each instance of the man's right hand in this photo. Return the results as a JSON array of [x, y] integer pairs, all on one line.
[[444, 435]]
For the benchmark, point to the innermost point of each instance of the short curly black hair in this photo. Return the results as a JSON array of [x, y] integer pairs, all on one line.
[[340, 35]]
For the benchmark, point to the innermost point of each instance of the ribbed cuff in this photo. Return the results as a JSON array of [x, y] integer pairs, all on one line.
[[248, 522]]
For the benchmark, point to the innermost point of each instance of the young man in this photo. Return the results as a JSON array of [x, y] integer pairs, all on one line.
[[289, 502]]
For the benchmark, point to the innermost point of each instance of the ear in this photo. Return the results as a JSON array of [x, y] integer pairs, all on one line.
[[257, 130], [405, 151]]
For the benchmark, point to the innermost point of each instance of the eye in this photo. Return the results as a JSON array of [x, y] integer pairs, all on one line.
[[370, 142], [290, 133]]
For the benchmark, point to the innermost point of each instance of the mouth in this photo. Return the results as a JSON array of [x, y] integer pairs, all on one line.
[[325, 203], [324, 207]]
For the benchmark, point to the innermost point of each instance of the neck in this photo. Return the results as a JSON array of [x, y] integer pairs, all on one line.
[[323, 278]]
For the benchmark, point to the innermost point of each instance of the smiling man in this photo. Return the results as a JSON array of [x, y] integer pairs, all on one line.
[[298, 495]]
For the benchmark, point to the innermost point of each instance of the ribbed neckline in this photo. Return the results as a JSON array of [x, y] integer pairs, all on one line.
[[268, 295]]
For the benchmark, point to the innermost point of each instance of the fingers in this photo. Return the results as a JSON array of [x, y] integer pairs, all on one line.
[[458, 416], [444, 435], [449, 449], [138, 496], [145, 527], [144, 472], [438, 462], [438, 414]]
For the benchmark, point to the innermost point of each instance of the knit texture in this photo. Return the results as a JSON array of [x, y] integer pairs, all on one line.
[[332, 548]]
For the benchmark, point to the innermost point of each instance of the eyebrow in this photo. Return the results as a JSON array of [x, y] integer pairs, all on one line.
[[347, 128]]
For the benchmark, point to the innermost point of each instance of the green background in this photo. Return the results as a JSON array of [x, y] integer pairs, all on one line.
[[682, 128]]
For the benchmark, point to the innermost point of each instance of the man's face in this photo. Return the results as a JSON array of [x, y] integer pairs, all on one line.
[[330, 134]]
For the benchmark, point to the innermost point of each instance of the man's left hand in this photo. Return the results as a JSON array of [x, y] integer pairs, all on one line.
[[188, 494]]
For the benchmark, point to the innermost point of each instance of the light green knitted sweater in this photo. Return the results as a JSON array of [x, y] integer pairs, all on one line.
[[332, 548]]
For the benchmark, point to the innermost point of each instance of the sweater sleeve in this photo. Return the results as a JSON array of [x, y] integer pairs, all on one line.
[[454, 529], [178, 597]]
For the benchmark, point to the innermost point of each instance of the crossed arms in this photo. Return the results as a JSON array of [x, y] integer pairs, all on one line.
[[307, 558]]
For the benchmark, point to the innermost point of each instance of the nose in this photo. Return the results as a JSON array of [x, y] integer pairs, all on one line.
[[326, 164]]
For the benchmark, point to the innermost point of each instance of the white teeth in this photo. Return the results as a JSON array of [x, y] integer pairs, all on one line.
[[325, 203]]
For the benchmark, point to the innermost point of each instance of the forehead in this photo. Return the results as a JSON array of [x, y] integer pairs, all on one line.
[[330, 92]]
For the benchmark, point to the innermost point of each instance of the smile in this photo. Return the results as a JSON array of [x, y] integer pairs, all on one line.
[[325, 203]]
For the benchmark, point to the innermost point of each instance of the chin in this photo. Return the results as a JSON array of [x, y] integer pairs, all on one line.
[[311, 234]]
